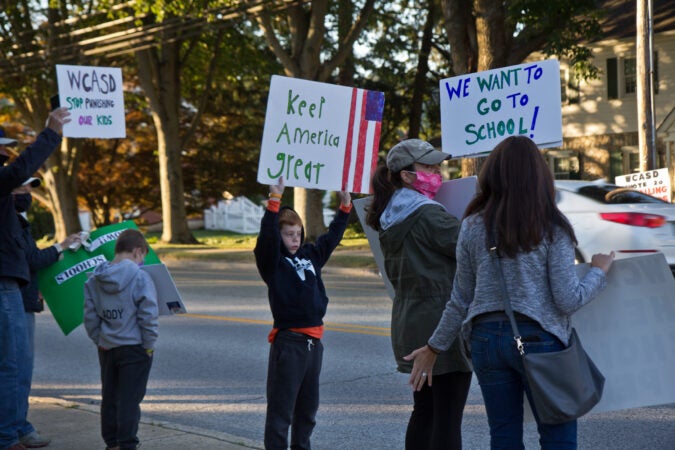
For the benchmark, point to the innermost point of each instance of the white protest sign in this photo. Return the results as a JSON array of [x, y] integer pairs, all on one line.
[[479, 110], [320, 136], [95, 99], [169, 299], [629, 330], [653, 182], [454, 195]]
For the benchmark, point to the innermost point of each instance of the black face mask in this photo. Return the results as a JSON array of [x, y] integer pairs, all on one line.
[[22, 202], [3, 159]]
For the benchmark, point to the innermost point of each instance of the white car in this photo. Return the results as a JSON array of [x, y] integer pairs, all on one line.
[[607, 217]]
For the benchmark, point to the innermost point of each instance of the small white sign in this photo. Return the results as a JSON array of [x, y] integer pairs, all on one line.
[[479, 110], [95, 99], [653, 182], [320, 136]]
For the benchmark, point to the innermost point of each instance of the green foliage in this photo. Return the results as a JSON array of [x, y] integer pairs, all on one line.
[[41, 222]]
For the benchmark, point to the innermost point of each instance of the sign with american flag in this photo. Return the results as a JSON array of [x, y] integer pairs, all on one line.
[[320, 136]]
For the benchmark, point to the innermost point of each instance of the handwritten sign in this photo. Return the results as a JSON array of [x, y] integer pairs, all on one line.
[[653, 182], [479, 110], [95, 99], [320, 136]]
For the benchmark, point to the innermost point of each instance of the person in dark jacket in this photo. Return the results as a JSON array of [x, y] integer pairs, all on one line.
[[32, 303], [418, 238], [291, 269], [14, 271]]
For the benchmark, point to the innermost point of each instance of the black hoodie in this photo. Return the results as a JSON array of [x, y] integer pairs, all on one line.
[[294, 287]]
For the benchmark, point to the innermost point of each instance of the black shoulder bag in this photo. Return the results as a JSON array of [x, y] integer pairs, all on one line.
[[565, 385]]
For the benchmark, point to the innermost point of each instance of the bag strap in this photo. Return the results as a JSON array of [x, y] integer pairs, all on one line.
[[505, 295]]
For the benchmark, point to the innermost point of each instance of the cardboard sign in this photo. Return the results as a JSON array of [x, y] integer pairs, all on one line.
[[320, 136], [62, 283], [479, 110], [653, 182], [95, 98], [169, 299], [454, 195]]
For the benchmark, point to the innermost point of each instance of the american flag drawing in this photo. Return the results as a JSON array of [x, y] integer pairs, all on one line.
[[363, 139]]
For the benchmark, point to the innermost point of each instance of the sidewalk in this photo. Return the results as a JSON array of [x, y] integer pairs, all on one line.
[[76, 426]]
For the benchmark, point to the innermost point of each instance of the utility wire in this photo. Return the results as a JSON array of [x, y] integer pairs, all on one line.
[[133, 39]]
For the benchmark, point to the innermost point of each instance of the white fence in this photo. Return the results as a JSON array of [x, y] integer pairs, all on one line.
[[241, 215]]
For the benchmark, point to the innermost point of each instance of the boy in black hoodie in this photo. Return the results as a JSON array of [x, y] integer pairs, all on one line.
[[292, 271]]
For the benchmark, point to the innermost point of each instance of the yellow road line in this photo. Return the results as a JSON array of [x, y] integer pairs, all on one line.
[[345, 328]]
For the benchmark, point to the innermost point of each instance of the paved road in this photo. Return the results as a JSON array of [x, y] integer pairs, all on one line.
[[210, 366]]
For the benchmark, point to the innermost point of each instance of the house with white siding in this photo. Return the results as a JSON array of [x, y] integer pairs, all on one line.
[[600, 119]]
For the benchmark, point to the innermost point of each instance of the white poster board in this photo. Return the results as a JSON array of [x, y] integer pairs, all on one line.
[[95, 99], [454, 195], [168, 298], [653, 182], [320, 136], [629, 330], [479, 110]]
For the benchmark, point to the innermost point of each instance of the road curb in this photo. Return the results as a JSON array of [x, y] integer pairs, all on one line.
[[238, 441]]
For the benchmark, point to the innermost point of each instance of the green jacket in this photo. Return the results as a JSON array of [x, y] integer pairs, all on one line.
[[419, 258]]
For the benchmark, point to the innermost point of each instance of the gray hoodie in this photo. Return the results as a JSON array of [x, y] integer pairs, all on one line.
[[120, 306]]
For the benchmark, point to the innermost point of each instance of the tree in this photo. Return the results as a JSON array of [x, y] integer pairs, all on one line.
[[119, 176], [299, 39], [28, 46]]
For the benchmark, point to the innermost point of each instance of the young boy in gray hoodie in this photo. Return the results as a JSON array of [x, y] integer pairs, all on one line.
[[120, 316]]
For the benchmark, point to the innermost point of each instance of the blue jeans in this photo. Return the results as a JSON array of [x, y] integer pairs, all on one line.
[[499, 369], [13, 351], [26, 377]]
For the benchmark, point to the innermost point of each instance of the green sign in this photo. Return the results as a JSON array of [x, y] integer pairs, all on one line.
[[62, 283]]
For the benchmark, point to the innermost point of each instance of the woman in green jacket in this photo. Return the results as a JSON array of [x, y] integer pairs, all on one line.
[[418, 238]]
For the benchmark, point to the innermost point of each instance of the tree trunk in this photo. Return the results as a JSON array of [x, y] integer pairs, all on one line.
[[174, 219], [62, 188], [160, 78], [461, 30], [420, 83]]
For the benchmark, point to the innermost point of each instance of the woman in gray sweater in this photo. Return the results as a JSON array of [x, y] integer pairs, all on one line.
[[516, 200]]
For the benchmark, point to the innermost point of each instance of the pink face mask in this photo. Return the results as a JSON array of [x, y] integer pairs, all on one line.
[[427, 184]]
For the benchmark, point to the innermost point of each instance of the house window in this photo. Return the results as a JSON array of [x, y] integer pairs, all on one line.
[[564, 164], [629, 76], [622, 76], [569, 87]]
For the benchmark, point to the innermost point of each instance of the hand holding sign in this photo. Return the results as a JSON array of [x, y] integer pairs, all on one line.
[[57, 119]]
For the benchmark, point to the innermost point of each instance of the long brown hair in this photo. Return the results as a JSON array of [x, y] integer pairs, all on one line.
[[384, 184], [517, 198]]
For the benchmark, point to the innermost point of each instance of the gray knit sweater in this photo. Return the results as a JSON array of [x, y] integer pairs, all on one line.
[[541, 284]]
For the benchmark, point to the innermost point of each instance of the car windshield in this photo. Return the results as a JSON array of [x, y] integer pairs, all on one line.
[[611, 194]]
